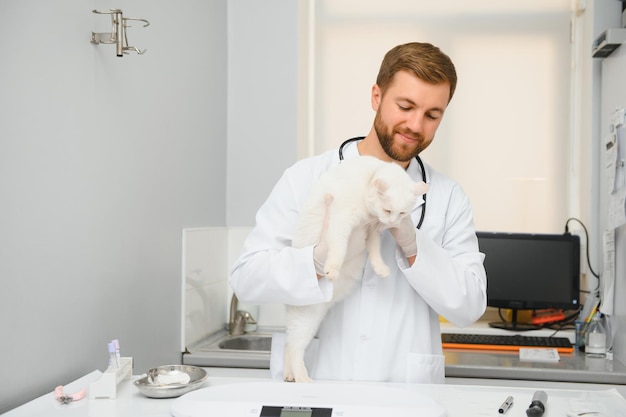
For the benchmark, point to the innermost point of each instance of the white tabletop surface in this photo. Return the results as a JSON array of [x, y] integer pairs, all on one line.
[[460, 397]]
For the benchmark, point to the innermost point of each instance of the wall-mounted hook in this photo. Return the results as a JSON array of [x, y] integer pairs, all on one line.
[[118, 34]]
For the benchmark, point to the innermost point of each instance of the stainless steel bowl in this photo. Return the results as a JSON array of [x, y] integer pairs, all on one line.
[[175, 376]]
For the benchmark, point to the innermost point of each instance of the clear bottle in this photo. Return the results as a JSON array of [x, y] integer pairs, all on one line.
[[112, 358], [595, 339]]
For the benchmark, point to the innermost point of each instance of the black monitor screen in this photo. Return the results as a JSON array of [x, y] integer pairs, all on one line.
[[531, 271]]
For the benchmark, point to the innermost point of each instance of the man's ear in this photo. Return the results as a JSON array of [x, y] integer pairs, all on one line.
[[376, 97]]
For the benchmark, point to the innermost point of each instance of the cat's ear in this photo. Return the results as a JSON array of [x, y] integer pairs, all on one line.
[[381, 185], [420, 188]]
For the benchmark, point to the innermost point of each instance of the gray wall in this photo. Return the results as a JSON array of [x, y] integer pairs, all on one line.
[[103, 161], [262, 101]]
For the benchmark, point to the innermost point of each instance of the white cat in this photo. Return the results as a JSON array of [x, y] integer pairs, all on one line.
[[359, 198]]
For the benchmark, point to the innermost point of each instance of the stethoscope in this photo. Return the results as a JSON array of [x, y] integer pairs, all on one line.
[[419, 162]]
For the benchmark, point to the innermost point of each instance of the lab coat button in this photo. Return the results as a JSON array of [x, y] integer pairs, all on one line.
[[364, 338]]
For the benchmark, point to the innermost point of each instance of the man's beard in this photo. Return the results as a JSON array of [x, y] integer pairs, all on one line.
[[385, 137]]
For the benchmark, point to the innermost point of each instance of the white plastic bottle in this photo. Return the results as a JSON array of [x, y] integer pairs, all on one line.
[[118, 358], [112, 358], [595, 339]]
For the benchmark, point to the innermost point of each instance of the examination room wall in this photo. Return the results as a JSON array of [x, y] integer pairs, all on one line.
[[103, 161]]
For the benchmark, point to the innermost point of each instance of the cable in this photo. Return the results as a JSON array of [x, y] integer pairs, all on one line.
[[566, 323], [596, 291], [563, 324], [586, 238]]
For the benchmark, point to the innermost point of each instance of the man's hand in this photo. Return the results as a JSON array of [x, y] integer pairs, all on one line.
[[404, 234]]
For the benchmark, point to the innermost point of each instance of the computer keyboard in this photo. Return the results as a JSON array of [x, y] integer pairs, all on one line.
[[504, 342]]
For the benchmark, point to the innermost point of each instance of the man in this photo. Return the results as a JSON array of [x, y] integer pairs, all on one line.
[[387, 329]]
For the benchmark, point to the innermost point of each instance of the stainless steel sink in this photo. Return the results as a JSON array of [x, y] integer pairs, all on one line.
[[249, 350], [247, 342]]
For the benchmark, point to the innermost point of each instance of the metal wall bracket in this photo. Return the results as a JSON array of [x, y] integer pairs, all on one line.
[[118, 34]]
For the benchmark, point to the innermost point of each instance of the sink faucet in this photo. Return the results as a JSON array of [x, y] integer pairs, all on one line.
[[238, 318]]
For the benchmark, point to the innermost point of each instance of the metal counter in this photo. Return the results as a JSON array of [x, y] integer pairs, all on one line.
[[572, 367], [462, 363]]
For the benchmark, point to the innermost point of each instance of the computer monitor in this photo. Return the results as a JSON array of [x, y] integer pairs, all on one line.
[[531, 271]]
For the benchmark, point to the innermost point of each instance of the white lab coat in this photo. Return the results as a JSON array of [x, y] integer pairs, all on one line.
[[388, 328]]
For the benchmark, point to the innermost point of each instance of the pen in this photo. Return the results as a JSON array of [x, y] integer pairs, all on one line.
[[506, 405], [593, 312]]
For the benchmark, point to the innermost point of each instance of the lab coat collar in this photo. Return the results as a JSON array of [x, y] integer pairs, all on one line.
[[414, 170], [415, 173]]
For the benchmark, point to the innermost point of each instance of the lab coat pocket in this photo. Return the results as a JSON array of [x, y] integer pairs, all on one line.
[[425, 369]]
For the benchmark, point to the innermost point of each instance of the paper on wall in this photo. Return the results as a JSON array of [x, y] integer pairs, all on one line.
[[615, 170], [608, 273]]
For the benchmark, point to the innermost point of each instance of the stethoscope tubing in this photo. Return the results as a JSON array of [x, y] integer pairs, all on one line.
[[419, 162]]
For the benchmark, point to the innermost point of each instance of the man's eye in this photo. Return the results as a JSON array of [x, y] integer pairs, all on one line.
[[432, 116]]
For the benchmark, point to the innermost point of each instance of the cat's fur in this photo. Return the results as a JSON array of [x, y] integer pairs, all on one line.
[[362, 196]]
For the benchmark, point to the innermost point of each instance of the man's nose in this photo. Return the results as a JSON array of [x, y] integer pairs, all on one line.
[[415, 122]]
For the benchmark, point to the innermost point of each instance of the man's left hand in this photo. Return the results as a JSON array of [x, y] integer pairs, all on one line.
[[404, 234]]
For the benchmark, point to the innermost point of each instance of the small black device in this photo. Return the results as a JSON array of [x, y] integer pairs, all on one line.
[[530, 271], [287, 411], [538, 405]]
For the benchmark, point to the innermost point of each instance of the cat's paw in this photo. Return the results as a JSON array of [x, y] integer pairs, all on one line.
[[289, 378], [332, 274], [381, 270], [331, 270], [304, 379], [302, 376]]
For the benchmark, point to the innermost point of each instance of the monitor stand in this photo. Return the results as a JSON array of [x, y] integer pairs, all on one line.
[[513, 324]]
